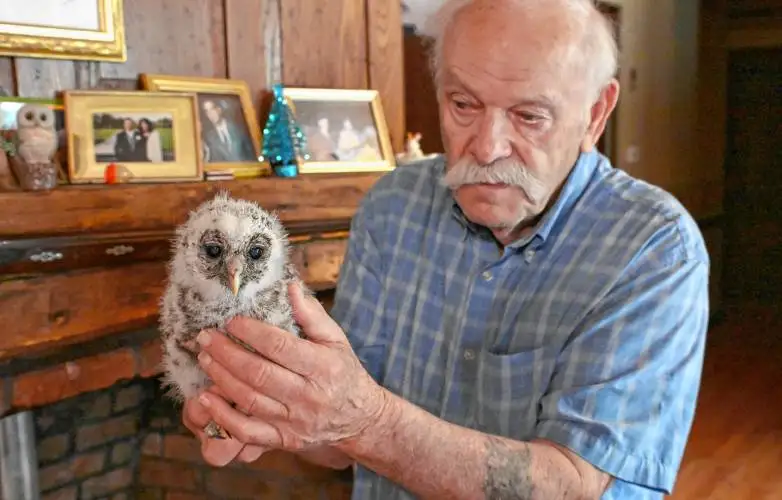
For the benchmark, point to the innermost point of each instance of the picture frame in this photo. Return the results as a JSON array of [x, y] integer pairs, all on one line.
[[155, 136], [90, 30], [361, 141], [237, 151]]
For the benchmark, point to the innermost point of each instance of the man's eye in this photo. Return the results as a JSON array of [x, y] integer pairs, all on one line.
[[529, 117]]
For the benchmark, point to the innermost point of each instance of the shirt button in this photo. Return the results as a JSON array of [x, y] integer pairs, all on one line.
[[486, 275], [469, 354], [529, 254]]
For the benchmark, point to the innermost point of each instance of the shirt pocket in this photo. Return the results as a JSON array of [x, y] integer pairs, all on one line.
[[508, 392]]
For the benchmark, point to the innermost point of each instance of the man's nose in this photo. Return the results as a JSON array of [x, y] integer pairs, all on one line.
[[493, 140]]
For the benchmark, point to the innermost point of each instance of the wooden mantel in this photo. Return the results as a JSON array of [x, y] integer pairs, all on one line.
[[82, 270]]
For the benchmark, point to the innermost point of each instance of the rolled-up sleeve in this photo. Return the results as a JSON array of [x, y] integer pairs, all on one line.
[[624, 391]]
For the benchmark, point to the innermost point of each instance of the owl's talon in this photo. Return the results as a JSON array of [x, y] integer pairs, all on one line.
[[214, 431]]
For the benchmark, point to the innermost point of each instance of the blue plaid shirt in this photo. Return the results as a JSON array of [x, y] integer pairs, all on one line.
[[588, 332]]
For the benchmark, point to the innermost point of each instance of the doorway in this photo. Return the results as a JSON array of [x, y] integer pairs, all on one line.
[[753, 182]]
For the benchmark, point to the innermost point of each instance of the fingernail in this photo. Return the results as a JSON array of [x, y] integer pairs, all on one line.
[[204, 358], [204, 338], [204, 399]]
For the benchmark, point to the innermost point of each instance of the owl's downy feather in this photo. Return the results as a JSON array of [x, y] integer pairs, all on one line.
[[230, 258]]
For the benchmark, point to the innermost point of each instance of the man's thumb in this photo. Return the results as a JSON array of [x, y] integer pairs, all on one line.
[[311, 317]]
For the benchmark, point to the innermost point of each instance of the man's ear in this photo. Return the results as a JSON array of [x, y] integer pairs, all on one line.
[[601, 110]]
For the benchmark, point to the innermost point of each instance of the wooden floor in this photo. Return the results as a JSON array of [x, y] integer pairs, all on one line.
[[735, 450]]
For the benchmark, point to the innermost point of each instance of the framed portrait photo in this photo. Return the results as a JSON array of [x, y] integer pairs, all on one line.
[[154, 136], [230, 132], [346, 130], [63, 29]]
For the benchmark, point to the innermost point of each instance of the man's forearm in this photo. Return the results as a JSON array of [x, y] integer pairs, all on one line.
[[326, 456], [433, 458]]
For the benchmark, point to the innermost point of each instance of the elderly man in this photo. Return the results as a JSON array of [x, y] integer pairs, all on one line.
[[518, 320]]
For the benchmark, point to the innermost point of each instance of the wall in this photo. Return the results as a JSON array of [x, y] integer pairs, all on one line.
[[340, 43]]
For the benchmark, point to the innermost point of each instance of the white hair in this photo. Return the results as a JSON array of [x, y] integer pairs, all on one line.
[[597, 50]]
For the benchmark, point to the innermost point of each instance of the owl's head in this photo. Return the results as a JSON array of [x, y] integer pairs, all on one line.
[[230, 245], [33, 115]]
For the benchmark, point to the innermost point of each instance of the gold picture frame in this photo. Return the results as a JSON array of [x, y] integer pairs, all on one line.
[[101, 38], [96, 122], [363, 144], [208, 90]]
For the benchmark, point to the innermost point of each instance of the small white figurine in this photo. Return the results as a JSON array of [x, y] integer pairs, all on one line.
[[36, 134]]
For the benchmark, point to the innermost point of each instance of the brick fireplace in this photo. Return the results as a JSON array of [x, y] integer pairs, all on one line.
[[127, 442], [105, 431]]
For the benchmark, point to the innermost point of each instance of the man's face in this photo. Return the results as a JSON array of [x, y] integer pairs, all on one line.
[[513, 114], [212, 112], [128, 125]]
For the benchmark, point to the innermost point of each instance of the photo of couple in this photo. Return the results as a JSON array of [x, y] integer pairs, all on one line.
[[133, 137]]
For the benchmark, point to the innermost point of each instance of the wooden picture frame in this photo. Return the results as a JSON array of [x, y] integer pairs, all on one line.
[[235, 96], [95, 121], [91, 30], [363, 144]]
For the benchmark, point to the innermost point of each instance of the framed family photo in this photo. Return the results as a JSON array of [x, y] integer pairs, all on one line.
[[346, 130], [63, 29], [155, 136], [230, 132]]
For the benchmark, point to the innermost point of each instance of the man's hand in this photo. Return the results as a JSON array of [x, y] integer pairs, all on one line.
[[297, 394], [217, 452]]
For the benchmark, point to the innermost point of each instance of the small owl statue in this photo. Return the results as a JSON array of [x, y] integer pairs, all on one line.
[[36, 133], [230, 258]]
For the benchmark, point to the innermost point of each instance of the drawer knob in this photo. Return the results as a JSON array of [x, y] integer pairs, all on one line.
[[119, 250], [46, 257]]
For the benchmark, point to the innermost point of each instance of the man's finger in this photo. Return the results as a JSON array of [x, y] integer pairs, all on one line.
[[251, 452], [245, 397], [217, 452], [220, 452], [243, 428], [287, 350], [313, 318]]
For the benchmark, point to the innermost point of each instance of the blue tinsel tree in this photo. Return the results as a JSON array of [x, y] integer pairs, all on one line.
[[284, 144]]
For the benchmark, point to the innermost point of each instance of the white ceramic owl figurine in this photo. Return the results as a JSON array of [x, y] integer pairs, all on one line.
[[36, 134]]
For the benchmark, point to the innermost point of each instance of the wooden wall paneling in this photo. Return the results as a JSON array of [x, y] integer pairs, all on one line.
[[180, 37], [252, 29], [324, 44], [421, 110], [7, 81], [384, 28], [43, 77]]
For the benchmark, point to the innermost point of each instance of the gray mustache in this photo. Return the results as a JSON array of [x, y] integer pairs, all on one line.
[[467, 172]]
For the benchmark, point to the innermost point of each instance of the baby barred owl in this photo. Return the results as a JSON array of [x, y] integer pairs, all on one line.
[[230, 258]]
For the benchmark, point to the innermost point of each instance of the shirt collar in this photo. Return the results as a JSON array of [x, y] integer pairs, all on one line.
[[574, 186]]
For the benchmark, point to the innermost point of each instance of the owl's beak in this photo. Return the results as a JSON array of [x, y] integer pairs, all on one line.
[[235, 275]]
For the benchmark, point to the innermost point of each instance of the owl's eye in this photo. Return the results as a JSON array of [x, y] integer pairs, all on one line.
[[29, 115], [43, 117], [255, 253], [212, 250]]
